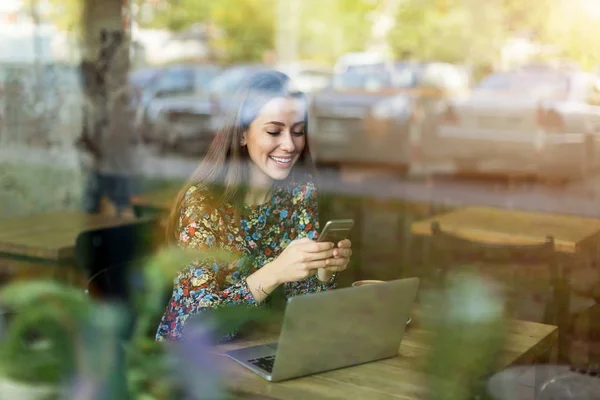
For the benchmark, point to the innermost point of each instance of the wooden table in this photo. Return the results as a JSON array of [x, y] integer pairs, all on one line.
[[400, 377], [573, 236], [44, 241]]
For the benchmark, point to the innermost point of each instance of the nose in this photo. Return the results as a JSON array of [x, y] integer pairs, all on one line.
[[287, 142]]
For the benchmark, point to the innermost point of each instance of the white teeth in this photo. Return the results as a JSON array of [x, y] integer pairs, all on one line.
[[282, 160]]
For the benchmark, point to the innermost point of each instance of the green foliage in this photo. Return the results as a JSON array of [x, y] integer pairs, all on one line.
[[474, 31], [65, 14], [58, 332], [450, 30], [328, 29], [150, 366], [243, 30], [470, 31], [40, 344], [469, 329]]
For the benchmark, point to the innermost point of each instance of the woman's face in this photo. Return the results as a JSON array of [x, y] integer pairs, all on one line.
[[275, 139]]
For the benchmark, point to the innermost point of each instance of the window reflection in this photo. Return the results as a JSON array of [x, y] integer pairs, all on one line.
[[480, 117]]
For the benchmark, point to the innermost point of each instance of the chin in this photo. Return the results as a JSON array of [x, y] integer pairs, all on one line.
[[280, 176]]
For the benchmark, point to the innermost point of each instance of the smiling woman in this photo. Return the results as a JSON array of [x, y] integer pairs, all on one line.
[[253, 196], [275, 140]]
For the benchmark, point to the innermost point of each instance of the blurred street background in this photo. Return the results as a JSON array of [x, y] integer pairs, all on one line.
[[417, 107], [472, 99]]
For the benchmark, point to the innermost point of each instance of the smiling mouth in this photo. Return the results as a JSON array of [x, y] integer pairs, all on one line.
[[282, 161]]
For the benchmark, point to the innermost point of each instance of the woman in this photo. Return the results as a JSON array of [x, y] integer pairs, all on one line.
[[252, 195]]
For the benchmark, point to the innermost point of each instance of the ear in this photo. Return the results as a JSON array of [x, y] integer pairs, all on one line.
[[243, 139]]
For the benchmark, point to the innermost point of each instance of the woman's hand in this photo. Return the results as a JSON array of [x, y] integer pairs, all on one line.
[[339, 262], [301, 259]]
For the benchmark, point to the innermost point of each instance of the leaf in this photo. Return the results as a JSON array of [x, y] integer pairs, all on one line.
[[21, 294]]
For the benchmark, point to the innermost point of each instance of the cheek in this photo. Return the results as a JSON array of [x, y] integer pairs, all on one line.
[[300, 142], [263, 144]]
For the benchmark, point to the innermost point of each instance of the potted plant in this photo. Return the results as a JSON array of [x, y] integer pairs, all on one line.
[[38, 351], [62, 343]]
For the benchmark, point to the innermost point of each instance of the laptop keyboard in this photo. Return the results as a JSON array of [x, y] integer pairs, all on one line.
[[265, 363]]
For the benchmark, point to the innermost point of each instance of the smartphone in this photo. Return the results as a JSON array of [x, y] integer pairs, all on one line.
[[336, 230]]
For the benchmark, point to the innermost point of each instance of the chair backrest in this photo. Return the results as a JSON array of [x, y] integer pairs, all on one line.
[[457, 249], [108, 255]]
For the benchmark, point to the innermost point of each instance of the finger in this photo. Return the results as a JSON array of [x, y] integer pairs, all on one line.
[[336, 268], [322, 255], [342, 253], [317, 247], [336, 262], [330, 270], [346, 243], [316, 264]]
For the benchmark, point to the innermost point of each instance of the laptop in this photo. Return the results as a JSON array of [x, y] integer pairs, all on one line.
[[334, 329]]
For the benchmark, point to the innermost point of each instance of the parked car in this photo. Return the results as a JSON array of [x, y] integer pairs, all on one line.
[[191, 121], [535, 121], [174, 85], [359, 59], [307, 77], [377, 113]]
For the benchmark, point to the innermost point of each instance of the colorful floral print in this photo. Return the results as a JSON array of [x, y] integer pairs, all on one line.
[[261, 235]]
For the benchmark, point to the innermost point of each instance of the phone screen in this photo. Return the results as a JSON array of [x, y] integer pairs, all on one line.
[[334, 235], [335, 231]]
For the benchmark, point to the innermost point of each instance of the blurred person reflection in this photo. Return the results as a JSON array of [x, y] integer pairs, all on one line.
[[253, 195], [108, 136]]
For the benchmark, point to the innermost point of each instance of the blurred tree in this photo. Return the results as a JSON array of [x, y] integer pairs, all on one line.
[[574, 28], [474, 31], [65, 14], [448, 30], [246, 28], [331, 28], [521, 17]]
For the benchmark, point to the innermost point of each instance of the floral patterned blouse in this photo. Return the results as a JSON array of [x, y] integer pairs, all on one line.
[[263, 232]]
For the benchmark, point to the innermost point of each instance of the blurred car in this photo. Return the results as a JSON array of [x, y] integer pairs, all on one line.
[[534, 121], [307, 77], [174, 85], [358, 59], [377, 113], [223, 88], [191, 121]]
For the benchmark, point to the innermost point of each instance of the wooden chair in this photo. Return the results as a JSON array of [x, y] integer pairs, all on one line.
[[450, 250]]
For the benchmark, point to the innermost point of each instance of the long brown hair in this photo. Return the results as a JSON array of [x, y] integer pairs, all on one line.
[[224, 169]]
